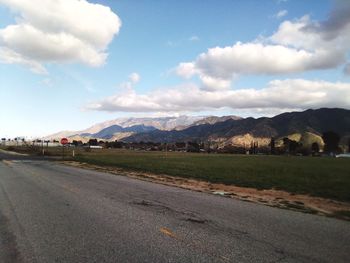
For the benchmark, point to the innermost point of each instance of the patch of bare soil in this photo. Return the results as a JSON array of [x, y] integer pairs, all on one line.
[[12, 153], [270, 197]]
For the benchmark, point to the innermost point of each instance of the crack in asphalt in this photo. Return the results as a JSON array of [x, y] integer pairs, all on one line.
[[162, 208], [281, 254]]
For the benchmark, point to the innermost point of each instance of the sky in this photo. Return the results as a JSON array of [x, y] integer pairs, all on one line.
[[68, 64]]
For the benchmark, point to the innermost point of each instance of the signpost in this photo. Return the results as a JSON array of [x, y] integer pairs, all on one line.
[[64, 141]]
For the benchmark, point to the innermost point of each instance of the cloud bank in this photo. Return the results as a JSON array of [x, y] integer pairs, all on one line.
[[297, 46], [62, 31], [278, 94]]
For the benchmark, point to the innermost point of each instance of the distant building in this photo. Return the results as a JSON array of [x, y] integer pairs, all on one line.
[[95, 147]]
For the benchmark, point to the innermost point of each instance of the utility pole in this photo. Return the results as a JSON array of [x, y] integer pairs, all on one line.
[[42, 147]]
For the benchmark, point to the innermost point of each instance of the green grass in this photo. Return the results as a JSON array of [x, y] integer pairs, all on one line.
[[318, 176]]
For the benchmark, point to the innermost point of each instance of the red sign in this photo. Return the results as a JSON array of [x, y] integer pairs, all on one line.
[[64, 141]]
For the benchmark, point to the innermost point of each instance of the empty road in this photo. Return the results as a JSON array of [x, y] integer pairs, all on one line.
[[54, 213]]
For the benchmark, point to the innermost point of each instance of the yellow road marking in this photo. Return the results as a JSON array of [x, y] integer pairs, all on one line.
[[167, 232]]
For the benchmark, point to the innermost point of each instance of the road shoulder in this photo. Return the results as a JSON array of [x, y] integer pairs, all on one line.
[[270, 197]]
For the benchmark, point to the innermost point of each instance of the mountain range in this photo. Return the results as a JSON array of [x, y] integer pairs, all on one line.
[[226, 130], [109, 132], [124, 127]]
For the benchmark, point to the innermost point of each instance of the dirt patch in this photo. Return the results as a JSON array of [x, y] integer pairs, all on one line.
[[12, 153], [271, 197]]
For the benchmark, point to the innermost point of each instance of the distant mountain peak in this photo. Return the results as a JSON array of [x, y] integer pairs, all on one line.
[[160, 123], [235, 131]]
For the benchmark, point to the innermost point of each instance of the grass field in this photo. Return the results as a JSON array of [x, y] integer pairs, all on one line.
[[317, 176]]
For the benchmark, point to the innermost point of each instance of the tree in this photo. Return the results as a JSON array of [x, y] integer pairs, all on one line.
[[272, 146], [117, 144], [286, 144], [315, 148], [77, 143], [192, 147], [92, 142], [331, 141], [293, 146], [290, 146]]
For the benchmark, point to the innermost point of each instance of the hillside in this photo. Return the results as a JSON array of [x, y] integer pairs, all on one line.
[[122, 127], [312, 121], [114, 130], [210, 120], [162, 123], [306, 127]]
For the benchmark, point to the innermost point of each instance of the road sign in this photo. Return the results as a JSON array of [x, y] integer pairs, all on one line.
[[64, 141]]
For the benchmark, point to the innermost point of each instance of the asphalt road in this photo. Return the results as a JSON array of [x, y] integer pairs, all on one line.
[[55, 213]]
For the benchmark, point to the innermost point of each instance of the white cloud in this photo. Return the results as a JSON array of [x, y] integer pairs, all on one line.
[[310, 35], [254, 58], [9, 56], [194, 38], [281, 13], [297, 46], [134, 77], [277, 95], [65, 31], [186, 70], [213, 84], [182, 42]]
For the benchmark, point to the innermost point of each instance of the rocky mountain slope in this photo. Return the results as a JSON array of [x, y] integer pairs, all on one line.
[[162, 123], [109, 132], [210, 120], [303, 126], [110, 129], [231, 131]]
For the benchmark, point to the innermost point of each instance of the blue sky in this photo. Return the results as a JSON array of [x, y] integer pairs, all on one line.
[[154, 65]]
